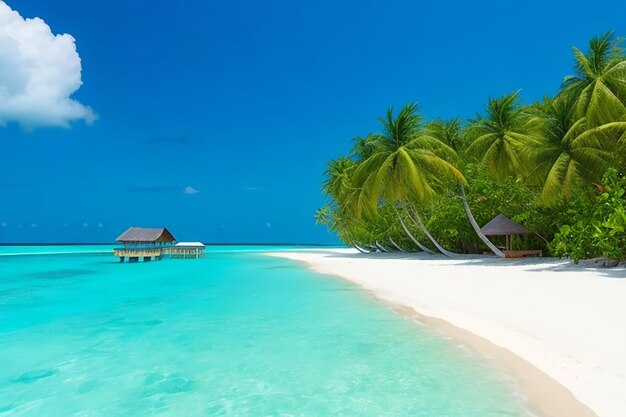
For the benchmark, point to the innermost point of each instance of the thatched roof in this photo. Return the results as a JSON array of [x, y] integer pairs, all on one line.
[[143, 234], [502, 225]]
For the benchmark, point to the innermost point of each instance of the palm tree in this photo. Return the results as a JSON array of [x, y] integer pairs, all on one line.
[[599, 85], [404, 167], [363, 148], [568, 153], [338, 179], [337, 215], [497, 137], [497, 140], [451, 133], [324, 216], [351, 231]]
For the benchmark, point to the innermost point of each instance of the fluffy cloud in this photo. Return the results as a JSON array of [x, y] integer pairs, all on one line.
[[39, 71], [190, 190]]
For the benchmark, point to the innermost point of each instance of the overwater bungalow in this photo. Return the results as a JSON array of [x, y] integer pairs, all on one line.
[[142, 243]]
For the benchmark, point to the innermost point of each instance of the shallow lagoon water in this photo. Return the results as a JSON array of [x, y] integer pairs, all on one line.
[[234, 334]]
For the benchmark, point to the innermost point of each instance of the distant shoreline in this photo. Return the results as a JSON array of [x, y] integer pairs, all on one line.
[[557, 329]]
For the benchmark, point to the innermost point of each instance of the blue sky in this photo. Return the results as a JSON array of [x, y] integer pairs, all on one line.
[[244, 101]]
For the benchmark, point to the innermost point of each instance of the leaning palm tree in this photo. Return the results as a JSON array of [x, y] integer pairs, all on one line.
[[337, 184], [351, 231], [404, 167], [452, 133], [599, 85], [567, 153], [498, 136], [337, 215], [496, 140]]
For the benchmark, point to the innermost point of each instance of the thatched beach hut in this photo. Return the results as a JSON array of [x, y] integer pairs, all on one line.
[[503, 226]]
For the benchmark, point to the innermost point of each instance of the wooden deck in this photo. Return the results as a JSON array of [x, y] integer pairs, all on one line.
[[150, 254], [127, 253], [138, 254], [184, 252]]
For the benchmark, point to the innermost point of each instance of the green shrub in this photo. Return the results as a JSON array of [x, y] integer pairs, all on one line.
[[595, 227]]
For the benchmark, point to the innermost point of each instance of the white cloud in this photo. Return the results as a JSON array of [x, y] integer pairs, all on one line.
[[39, 71], [190, 190]]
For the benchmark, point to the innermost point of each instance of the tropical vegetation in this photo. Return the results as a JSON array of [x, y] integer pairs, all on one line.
[[554, 166]]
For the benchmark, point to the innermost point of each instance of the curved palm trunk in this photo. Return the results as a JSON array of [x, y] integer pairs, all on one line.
[[371, 248], [360, 249], [480, 234], [410, 235], [408, 232], [395, 245], [413, 214], [381, 247]]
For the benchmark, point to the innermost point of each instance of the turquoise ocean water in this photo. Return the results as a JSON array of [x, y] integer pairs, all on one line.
[[234, 334]]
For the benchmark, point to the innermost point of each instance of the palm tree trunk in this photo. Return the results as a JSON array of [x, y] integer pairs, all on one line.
[[410, 235], [381, 247], [414, 215], [395, 245], [371, 248], [360, 249], [480, 234]]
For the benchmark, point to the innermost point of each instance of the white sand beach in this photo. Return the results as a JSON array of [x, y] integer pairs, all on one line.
[[559, 329]]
